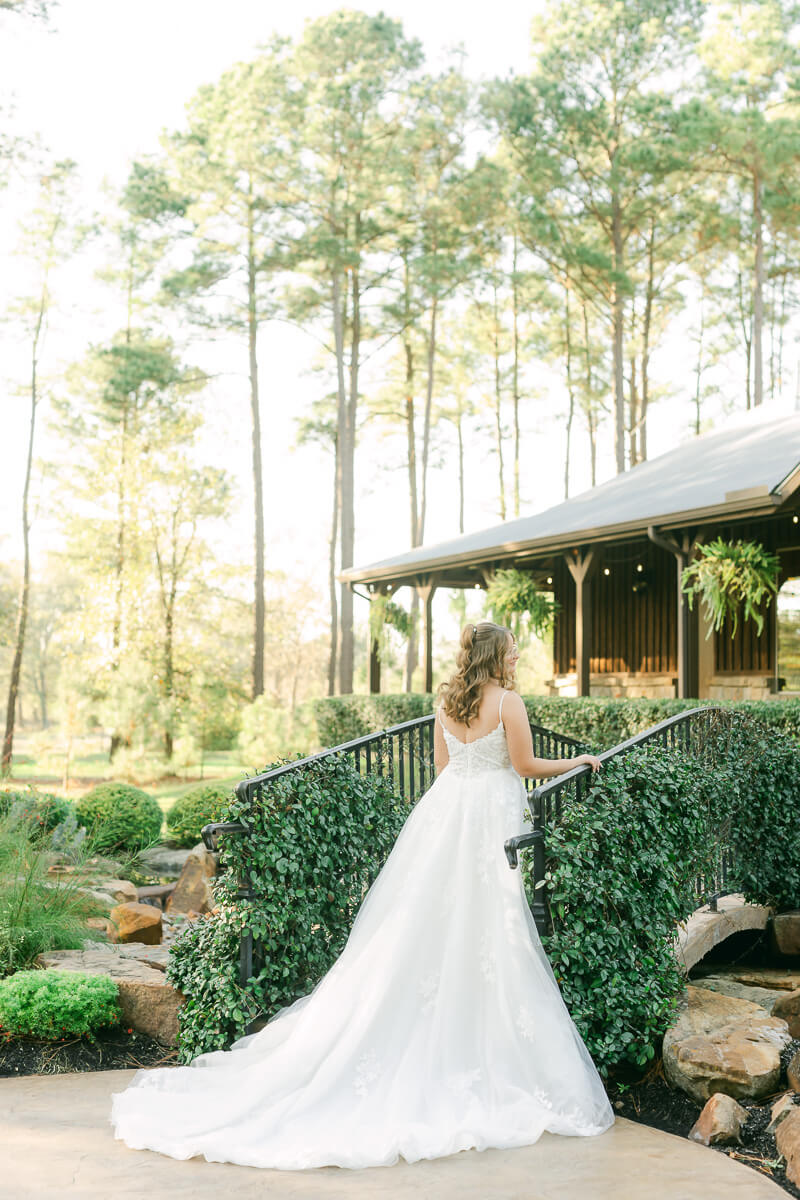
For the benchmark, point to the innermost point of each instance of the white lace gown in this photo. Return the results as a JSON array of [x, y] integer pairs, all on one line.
[[440, 1027]]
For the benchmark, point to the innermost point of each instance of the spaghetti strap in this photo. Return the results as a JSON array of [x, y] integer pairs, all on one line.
[[500, 709], [439, 715]]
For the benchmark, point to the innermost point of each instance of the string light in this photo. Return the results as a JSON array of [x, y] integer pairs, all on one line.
[[606, 570], [639, 567]]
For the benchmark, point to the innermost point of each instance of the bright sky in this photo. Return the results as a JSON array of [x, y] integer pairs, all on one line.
[[99, 86]]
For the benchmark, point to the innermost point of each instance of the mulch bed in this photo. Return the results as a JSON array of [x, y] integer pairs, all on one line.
[[114, 1050], [652, 1101]]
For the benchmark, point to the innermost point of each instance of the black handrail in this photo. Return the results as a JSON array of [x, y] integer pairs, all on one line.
[[405, 751], [687, 730]]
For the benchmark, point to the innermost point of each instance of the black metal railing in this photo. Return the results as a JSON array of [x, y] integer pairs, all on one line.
[[690, 732], [404, 752]]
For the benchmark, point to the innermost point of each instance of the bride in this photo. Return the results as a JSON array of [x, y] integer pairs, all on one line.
[[441, 1026]]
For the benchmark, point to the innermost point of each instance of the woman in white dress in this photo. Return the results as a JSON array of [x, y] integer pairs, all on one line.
[[441, 1026]]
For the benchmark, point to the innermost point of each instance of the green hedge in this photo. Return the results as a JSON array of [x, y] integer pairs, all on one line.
[[57, 1004], [120, 817], [341, 718], [312, 850], [193, 810], [621, 867], [601, 723]]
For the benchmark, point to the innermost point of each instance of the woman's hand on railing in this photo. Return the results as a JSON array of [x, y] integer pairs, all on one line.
[[590, 760]]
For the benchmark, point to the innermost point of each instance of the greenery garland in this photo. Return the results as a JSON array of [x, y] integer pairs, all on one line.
[[729, 577]]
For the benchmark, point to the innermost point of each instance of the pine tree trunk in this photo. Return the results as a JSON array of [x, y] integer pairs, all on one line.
[[570, 391], [515, 376], [332, 596], [498, 395], [758, 292], [24, 595], [346, 640], [341, 414], [258, 479]]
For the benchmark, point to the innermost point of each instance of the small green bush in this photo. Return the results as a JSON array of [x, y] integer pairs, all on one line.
[[315, 844], [120, 817], [57, 1004], [44, 809], [342, 718], [193, 810], [39, 912]]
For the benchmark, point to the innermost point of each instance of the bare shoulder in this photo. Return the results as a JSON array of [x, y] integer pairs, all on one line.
[[514, 707]]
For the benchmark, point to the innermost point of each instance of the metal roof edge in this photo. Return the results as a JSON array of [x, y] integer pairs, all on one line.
[[740, 509]]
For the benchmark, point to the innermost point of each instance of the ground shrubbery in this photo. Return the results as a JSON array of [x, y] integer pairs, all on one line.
[[193, 810], [43, 808], [313, 848], [57, 1004], [120, 817], [342, 718], [38, 912]]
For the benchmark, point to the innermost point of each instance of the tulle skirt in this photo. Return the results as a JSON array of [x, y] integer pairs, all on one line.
[[439, 1028]]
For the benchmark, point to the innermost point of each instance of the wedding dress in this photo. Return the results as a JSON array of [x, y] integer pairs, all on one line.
[[440, 1027]]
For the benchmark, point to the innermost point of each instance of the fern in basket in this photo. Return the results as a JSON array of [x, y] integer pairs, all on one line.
[[732, 578]]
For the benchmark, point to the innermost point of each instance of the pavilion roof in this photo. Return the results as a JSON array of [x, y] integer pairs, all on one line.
[[747, 469]]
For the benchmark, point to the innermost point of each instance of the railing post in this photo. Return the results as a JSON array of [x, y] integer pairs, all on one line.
[[539, 906]]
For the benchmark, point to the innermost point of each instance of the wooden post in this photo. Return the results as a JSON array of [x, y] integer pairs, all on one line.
[[375, 653], [687, 651], [580, 564], [426, 589]]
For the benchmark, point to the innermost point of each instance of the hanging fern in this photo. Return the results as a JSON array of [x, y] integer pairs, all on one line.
[[513, 599], [384, 612], [732, 578]]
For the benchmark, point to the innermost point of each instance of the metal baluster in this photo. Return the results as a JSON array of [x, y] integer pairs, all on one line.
[[411, 771], [401, 765]]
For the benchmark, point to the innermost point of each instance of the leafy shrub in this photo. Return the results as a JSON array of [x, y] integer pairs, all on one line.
[[119, 816], [314, 845], [57, 1004], [193, 810], [342, 718], [38, 912], [620, 868], [44, 809]]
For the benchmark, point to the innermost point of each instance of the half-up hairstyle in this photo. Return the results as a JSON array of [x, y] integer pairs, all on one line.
[[481, 657]]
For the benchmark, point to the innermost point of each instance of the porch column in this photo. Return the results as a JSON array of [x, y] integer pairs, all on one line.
[[688, 683], [580, 564], [375, 651], [426, 588]]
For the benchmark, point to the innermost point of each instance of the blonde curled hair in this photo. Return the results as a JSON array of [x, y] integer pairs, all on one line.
[[481, 657]]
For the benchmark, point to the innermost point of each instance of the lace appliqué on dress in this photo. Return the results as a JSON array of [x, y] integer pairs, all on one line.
[[368, 1071]]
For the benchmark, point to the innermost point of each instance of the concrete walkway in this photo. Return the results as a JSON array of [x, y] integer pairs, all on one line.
[[56, 1141]]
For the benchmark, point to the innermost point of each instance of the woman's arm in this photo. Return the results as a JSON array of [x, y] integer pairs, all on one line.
[[440, 755], [520, 745]]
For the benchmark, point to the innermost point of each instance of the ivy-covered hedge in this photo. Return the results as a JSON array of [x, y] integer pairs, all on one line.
[[341, 718], [621, 865], [312, 850]]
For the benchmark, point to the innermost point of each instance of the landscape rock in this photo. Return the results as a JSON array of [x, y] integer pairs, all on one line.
[[720, 1121], [727, 983], [148, 1002], [793, 1072], [121, 889], [787, 1140], [722, 1044], [137, 923], [783, 1107], [787, 1007], [704, 929], [156, 893], [193, 891], [166, 861], [784, 933], [101, 925], [102, 897]]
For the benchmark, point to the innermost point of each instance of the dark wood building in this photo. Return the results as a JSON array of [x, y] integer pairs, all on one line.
[[612, 558]]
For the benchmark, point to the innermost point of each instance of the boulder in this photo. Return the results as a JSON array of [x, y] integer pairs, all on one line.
[[166, 861], [784, 933], [793, 1072], [782, 1108], [723, 1044], [156, 893], [137, 923], [726, 983], [720, 1121], [787, 1007], [121, 889], [193, 891], [787, 1139], [149, 1004]]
